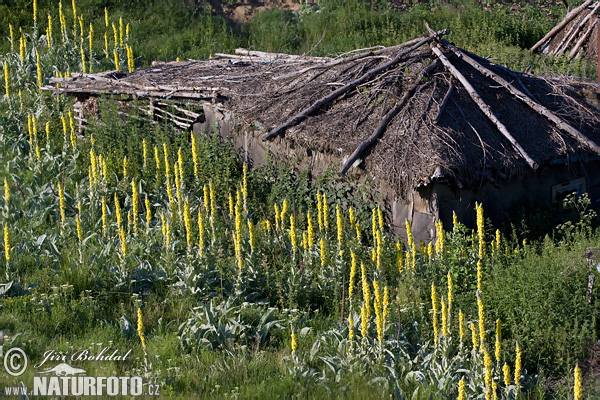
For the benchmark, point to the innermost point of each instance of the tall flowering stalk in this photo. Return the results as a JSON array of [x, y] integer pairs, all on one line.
[[6, 244], [518, 366], [506, 374], [461, 326], [450, 298], [134, 205], [480, 230], [487, 364], [434, 308], [411, 245], [474, 336], [195, 155], [293, 238], [140, 331], [481, 313], [62, 203], [201, 232], [325, 213], [439, 243], [148, 213], [6, 80], [352, 278], [245, 187], [122, 236], [498, 345], [251, 235], [340, 227], [364, 321], [104, 217], [461, 390], [378, 308], [444, 317], [187, 221], [320, 211], [400, 257], [311, 231], [323, 252], [577, 392], [366, 290]]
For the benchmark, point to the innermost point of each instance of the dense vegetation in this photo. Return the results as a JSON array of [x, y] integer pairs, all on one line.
[[264, 283]]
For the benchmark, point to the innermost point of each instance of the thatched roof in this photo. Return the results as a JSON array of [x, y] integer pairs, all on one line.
[[415, 112], [577, 33]]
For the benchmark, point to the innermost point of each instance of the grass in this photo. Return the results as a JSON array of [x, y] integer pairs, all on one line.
[[218, 316]]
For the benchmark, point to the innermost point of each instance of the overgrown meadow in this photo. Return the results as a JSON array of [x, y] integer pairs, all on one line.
[[227, 280]]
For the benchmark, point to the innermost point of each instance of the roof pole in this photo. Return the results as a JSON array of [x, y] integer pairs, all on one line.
[[598, 52]]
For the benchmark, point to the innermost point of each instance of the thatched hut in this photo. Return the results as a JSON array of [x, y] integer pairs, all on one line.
[[434, 127]]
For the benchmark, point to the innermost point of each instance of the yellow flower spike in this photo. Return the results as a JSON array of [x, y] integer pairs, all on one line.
[[134, 205], [79, 231], [366, 289], [294, 342], [106, 44], [6, 80], [74, 6], [498, 239], [83, 63], [480, 230], [325, 213], [479, 276], [494, 390], [130, 59], [440, 240], [230, 204], [148, 212], [408, 260], [245, 186], [400, 257], [187, 221], [48, 136], [411, 245], [506, 374], [125, 167], [386, 304], [358, 235], [351, 217], [62, 203], [380, 218], [474, 336], [6, 244], [104, 217], [6, 192], [73, 135], [450, 296], [378, 307], [461, 390], [320, 211], [481, 313], [293, 238], [105, 17], [40, 79], [63, 23], [206, 199], [304, 240], [277, 214], [518, 366], [434, 308], [323, 253], [374, 222], [195, 154], [444, 317], [284, 210], [379, 249], [310, 231], [22, 48], [251, 235], [167, 164], [364, 321], [140, 328], [430, 251], [340, 226], [144, 154], [350, 327], [12, 37], [461, 326], [352, 278], [127, 30], [201, 232], [498, 348], [487, 364], [577, 393], [116, 59], [213, 201], [115, 36]]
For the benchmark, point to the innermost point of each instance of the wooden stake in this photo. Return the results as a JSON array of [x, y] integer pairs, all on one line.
[[483, 106]]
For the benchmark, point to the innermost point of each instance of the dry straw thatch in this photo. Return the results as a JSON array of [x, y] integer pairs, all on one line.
[[407, 114]]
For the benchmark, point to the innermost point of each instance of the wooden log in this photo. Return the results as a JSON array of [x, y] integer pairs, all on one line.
[[540, 109], [568, 18], [576, 29], [444, 101], [301, 116], [387, 118], [483, 106], [271, 56], [582, 40]]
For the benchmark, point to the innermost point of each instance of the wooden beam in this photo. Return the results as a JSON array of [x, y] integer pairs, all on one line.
[[568, 18], [301, 116], [484, 107]]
